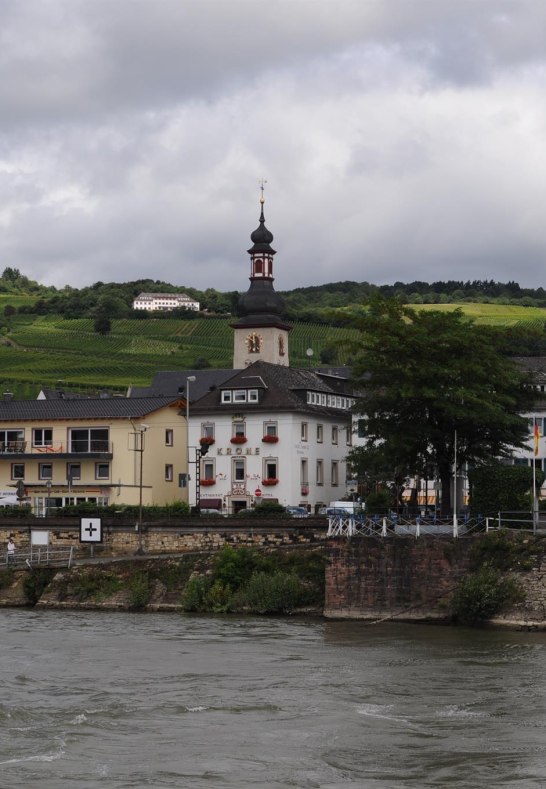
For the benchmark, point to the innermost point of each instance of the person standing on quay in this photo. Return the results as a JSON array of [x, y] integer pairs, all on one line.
[[11, 551]]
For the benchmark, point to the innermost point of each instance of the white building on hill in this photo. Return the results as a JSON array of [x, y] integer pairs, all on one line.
[[165, 301]]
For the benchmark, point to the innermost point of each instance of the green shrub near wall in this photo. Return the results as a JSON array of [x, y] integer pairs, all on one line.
[[498, 488]]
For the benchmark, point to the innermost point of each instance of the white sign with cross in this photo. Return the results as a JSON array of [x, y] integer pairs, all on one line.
[[90, 530]]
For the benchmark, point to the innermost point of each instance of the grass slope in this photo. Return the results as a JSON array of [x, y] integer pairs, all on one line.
[[41, 350]]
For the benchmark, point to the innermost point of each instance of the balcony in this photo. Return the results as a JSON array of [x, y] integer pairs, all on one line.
[[19, 450]]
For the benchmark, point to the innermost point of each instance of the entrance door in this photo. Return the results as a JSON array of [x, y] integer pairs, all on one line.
[[238, 504]]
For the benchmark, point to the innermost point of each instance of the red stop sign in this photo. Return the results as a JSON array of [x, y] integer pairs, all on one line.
[[257, 493]]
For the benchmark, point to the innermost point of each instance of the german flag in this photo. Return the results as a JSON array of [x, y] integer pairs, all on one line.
[[537, 436]]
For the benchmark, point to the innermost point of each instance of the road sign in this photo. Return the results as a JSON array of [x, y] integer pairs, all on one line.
[[90, 530], [257, 493]]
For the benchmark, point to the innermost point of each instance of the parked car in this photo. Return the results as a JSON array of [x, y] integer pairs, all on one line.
[[9, 501], [297, 512]]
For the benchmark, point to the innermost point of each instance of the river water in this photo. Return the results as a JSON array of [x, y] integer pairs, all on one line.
[[92, 699]]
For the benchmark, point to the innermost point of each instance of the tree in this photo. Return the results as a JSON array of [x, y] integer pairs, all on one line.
[[103, 325], [428, 379]]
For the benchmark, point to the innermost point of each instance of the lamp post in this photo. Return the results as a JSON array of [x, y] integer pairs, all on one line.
[[48, 499], [140, 448], [189, 379]]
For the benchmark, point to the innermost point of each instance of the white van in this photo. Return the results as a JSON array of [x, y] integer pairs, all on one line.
[[9, 501], [344, 508]]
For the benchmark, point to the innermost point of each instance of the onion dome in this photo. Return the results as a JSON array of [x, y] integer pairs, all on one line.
[[261, 237]]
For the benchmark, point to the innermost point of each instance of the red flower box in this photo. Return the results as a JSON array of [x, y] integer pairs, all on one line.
[[206, 441], [270, 439], [208, 482], [239, 439], [305, 491], [268, 482]]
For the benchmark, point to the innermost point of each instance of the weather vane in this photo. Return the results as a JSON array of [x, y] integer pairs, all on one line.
[[262, 182]]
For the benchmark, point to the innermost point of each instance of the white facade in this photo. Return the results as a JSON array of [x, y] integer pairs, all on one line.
[[165, 301], [304, 466], [526, 456]]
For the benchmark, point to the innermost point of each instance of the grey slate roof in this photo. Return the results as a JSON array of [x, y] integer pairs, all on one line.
[[282, 389], [100, 408], [173, 383]]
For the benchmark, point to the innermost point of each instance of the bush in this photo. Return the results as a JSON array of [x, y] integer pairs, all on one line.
[[35, 583], [378, 502], [267, 594], [95, 585], [266, 509], [140, 591], [483, 594], [196, 593], [496, 487], [234, 567]]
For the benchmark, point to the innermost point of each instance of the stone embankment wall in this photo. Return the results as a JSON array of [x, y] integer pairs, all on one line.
[[398, 578], [413, 580], [184, 535]]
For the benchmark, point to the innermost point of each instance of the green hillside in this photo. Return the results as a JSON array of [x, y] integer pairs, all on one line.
[[40, 350]]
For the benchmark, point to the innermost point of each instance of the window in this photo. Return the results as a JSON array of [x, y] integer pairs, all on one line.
[[334, 434], [349, 435], [270, 468], [73, 471], [207, 430], [335, 472], [320, 472], [89, 439], [270, 429], [304, 476], [238, 470], [17, 470], [239, 429], [42, 437], [226, 396], [239, 396], [320, 432], [169, 437], [361, 428], [208, 470], [12, 440], [168, 472], [102, 470], [45, 471], [252, 395], [304, 431]]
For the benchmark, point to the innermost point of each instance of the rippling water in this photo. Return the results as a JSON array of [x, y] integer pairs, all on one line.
[[122, 700]]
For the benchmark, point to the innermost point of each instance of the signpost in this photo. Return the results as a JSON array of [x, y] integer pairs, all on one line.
[[257, 493], [91, 531]]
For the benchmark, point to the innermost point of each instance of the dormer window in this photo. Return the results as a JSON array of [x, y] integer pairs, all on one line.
[[240, 396]]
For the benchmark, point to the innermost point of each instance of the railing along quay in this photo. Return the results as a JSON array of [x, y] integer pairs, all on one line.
[[39, 556], [389, 526]]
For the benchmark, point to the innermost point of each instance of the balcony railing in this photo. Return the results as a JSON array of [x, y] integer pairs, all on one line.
[[21, 449]]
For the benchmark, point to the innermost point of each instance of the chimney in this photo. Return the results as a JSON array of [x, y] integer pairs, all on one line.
[[8, 396]]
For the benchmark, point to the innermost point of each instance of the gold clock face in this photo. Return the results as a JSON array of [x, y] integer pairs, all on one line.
[[254, 342]]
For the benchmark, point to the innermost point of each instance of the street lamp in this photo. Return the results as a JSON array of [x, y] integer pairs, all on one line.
[[140, 448], [189, 379], [48, 499]]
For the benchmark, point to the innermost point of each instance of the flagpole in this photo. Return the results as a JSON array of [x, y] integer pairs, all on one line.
[[535, 447]]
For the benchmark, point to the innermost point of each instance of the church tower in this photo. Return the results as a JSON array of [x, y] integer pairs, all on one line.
[[259, 332]]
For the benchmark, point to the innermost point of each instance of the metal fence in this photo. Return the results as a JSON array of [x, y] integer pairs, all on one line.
[[40, 556], [394, 525]]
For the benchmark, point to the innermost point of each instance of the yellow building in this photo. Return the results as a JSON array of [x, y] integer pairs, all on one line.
[[104, 450]]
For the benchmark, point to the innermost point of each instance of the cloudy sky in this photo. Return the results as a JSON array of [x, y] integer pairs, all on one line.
[[400, 139]]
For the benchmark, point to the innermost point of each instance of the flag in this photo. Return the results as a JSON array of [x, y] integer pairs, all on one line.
[[537, 436]]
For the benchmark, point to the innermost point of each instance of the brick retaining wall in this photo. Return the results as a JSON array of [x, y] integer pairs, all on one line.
[[400, 578]]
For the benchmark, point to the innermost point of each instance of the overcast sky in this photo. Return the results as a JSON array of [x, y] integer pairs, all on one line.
[[400, 139]]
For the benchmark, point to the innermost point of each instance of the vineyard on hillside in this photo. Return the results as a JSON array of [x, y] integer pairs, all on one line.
[[41, 350]]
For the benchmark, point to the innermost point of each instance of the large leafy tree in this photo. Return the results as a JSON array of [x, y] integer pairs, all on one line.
[[428, 379]]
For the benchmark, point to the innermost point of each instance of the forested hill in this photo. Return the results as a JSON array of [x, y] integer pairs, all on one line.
[[309, 303]]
